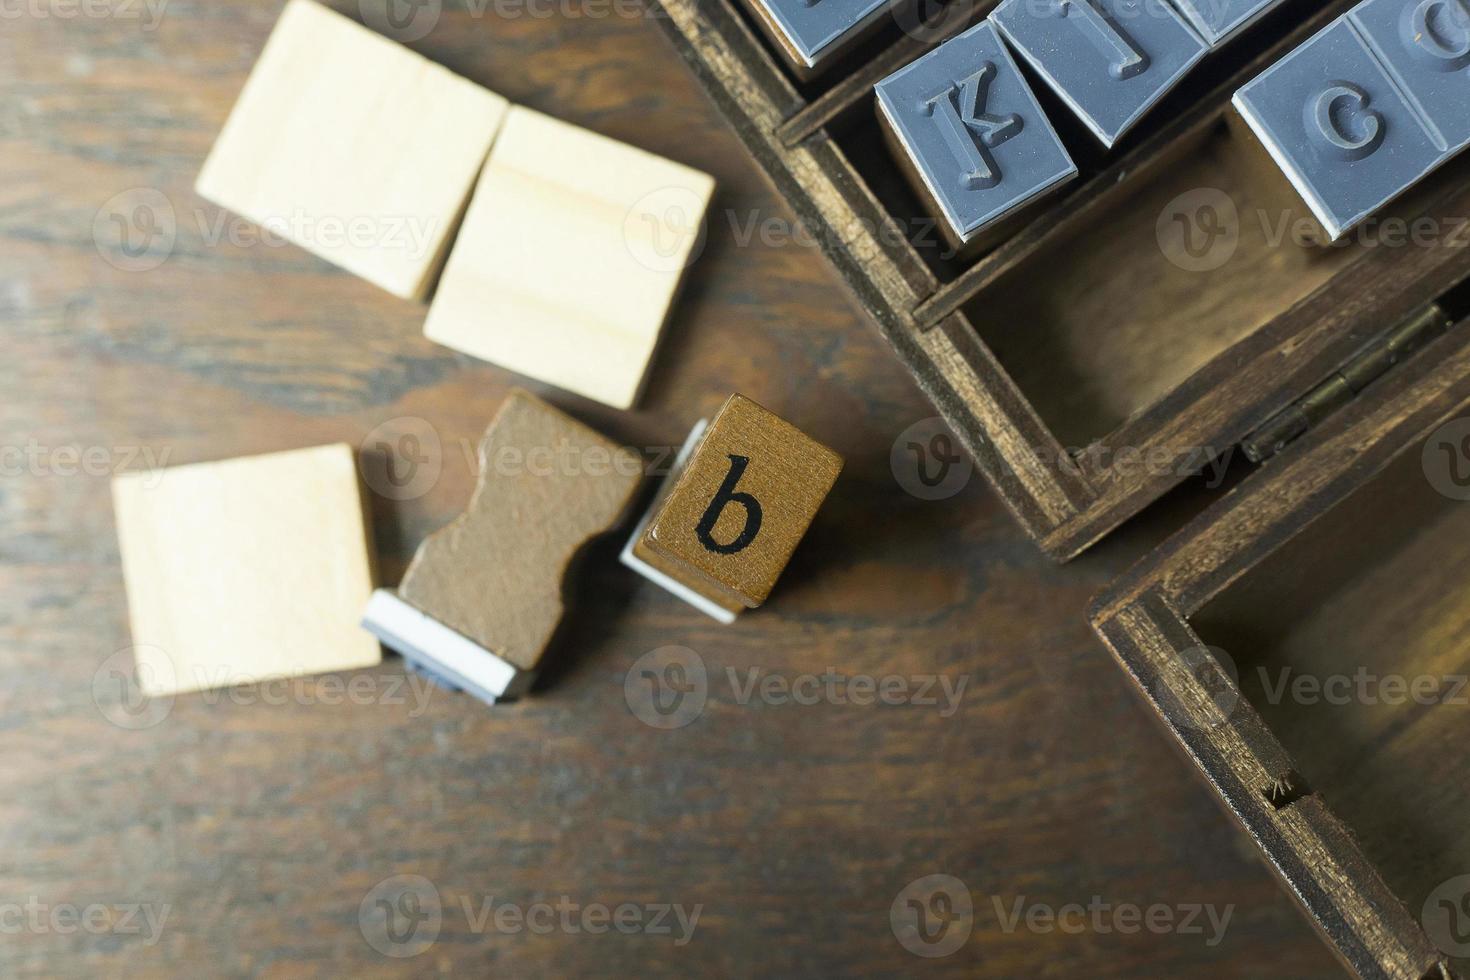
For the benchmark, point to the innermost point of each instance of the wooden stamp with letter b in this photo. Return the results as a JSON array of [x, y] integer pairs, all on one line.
[[743, 493]]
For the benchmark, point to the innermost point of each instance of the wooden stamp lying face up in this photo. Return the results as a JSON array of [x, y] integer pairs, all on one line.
[[743, 492]]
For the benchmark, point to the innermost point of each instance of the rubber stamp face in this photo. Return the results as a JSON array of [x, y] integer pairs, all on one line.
[[974, 131], [1425, 46], [1110, 61], [813, 29], [1218, 21], [1331, 117]]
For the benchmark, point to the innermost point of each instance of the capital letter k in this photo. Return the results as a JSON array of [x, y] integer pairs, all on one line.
[[969, 131]]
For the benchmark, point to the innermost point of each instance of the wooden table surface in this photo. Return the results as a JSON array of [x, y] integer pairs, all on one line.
[[260, 822]]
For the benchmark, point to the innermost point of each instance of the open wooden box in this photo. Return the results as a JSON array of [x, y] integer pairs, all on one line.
[[1344, 561], [1078, 342]]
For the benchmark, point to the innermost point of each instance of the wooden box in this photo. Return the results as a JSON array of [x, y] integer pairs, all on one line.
[[1079, 343], [1307, 641]]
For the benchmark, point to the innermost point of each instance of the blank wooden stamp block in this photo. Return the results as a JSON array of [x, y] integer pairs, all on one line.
[[569, 258], [483, 596], [739, 506], [353, 147], [246, 569]]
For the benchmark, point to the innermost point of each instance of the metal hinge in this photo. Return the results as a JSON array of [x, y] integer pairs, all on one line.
[[1375, 359]]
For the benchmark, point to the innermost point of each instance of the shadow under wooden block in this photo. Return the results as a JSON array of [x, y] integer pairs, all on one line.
[[483, 596], [354, 148]]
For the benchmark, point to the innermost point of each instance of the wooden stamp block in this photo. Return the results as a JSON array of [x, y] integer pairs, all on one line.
[[738, 507], [353, 147], [483, 596], [570, 257], [246, 569]]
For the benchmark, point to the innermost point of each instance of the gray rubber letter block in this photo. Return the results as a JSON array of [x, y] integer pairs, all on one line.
[[816, 27], [1109, 60], [1425, 45], [1218, 21], [974, 130], [1334, 122]]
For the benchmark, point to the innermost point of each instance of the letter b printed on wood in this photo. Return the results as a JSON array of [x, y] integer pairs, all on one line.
[[744, 500]]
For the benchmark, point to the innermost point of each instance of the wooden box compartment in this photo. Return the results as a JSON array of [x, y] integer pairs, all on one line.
[[1078, 343], [1306, 641]]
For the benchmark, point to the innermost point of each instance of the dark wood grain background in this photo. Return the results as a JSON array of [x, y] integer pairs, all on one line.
[[262, 826]]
